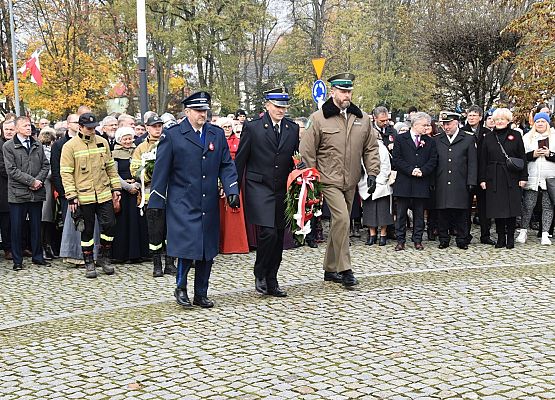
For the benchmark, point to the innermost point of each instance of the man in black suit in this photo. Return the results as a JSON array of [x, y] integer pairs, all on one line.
[[455, 179], [415, 159], [265, 159]]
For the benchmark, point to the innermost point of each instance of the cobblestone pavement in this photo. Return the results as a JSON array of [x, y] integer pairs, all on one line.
[[432, 324]]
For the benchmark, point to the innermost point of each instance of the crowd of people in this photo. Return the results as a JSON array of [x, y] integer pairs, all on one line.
[[81, 189]]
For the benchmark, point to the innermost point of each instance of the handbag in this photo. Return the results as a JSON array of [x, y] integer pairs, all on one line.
[[514, 164]]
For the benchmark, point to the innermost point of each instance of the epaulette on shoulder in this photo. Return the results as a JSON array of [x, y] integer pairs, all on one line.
[[255, 119]]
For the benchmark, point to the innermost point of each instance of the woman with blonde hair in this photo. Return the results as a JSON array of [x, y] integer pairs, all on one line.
[[502, 174], [539, 144]]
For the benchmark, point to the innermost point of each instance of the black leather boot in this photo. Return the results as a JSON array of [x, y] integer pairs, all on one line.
[[89, 264], [510, 239], [501, 233], [157, 263], [104, 260], [169, 268], [182, 298]]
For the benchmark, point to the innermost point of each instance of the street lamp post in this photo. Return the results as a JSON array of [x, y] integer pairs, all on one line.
[[14, 59], [141, 46]]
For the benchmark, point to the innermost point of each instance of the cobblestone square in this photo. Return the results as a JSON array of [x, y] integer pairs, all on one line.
[[432, 324]]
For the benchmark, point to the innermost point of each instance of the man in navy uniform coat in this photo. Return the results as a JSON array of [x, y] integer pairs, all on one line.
[[415, 159], [190, 158], [265, 159], [455, 179]]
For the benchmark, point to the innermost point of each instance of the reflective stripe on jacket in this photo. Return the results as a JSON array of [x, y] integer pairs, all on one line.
[[88, 170]]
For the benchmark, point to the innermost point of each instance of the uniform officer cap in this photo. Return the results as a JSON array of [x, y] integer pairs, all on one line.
[[342, 81], [88, 120], [278, 97], [155, 119], [448, 116], [197, 101]]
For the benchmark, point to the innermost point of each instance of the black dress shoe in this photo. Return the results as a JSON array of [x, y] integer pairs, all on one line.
[[348, 279], [443, 245], [418, 246], [17, 267], [400, 246], [43, 263], [260, 285], [383, 241], [463, 246], [277, 292], [371, 240], [333, 277], [203, 302], [182, 298], [488, 241]]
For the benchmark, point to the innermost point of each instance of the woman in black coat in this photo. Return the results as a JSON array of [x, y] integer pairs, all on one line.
[[503, 187]]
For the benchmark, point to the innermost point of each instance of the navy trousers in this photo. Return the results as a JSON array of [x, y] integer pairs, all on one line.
[[202, 275], [18, 213]]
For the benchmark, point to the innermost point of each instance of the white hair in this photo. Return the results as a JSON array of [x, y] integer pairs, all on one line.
[[224, 121], [420, 115], [504, 113]]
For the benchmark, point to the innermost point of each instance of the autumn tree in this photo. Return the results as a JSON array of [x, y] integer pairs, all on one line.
[[74, 70], [463, 42], [6, 71], [534, 61]]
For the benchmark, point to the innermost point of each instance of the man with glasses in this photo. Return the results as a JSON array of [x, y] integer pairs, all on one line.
[[109, 127], [415, 159], [55, 155]]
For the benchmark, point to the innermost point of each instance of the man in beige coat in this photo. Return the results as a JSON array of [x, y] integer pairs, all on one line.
[[337, 138]]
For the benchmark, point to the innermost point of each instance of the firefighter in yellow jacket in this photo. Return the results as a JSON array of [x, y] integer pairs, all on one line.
[[156, 236], [92, 185]]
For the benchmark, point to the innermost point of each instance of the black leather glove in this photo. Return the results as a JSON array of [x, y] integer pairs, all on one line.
[[233, 200], [371, 182], [300, 165], [471, 188]]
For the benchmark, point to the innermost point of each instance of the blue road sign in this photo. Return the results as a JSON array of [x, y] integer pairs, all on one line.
[[319, 91]]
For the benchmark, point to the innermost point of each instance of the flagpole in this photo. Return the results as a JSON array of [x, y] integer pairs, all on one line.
[[141, 52], [14, 59]]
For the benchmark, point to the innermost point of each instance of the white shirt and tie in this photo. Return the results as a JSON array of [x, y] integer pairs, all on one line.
[[277, 129], [415, 138], [25, 142]]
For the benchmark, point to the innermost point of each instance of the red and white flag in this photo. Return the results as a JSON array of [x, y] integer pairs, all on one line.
[[32, 65]]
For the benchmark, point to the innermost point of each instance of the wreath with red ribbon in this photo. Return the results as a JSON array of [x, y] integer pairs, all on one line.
[[303, 200]]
